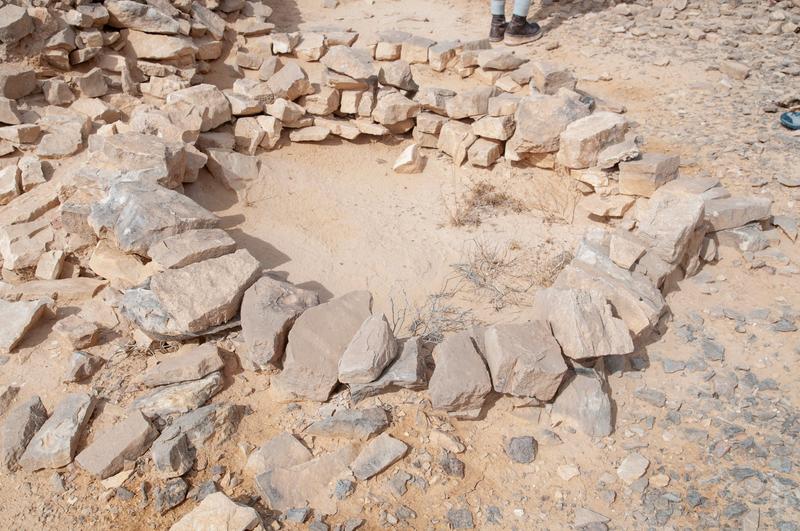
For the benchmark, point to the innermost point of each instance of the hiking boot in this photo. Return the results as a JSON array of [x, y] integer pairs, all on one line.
[[520, 31], [498, 30]]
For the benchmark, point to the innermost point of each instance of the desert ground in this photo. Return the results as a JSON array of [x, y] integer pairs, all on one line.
[[679, 412]]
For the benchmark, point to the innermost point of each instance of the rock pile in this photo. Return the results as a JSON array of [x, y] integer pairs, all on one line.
[[120, 234]]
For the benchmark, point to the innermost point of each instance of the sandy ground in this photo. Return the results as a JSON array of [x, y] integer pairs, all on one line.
[[336, 218]]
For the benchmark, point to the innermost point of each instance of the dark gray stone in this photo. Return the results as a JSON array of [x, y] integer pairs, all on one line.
[[522, 449], [460, 519], [170, 495]]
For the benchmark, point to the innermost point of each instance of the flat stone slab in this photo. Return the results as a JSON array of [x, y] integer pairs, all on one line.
[[186, 302], [178, 398], [351, 424], [524, 359], [195, 364], [316, 344], [126, 440], [55, 443], [269, 309], [583, 323], [460, 381], [407, 371], [584, 402], [220, 513], [191, 247], [18, 429], [307, 484], [282, 451], [18, 318], [370, 351], [381, 453], [140, 214]]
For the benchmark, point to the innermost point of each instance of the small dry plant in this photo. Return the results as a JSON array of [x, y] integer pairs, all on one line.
[[556, 200], [505, 275], [437, 316], [482, 199]]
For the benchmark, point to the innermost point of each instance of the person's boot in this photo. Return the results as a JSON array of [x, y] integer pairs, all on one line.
[[520, 31], [498, 30]]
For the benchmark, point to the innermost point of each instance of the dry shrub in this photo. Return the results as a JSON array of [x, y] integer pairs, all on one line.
[[482, 199], [505, 275], [439, 316], [556, 200]]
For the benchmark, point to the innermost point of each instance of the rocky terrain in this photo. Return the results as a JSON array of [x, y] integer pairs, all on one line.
[[619, 352]]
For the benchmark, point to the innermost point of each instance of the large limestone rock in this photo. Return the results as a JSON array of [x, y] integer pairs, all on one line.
[[160, 47], [669, 220], [311, 483], [18, 429], [541, 120], [583, 140], [393, 108], [22, 245], [372, 349], [646, 174], [290, 82], [133, 15], [220, 513], [141, 157], [191, 247], [348, 61], [583, 323], [140, 214], [317, 341], [269, 309], [18, 318], [633, 296], [15, 24], [524, 360], [584, 402], [733, 212], [214, 107], [189, 301], [126, 440], [236, 171], [460, 381], [169, 400], [16, 81], [407, 371], [195, 364], [55, 443]]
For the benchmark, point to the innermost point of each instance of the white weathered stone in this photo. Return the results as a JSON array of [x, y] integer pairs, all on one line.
[[190, 247], [195, 364], [524, 360], [55, 443], [15, 24], [174, 399], [393, 108], [220, 513], [583, 323], [455, 139], [289, 83], [282, 451], [18, 429], [470, 103], [18, 318], [317, 341], [407, 371], [125, 441], [189, 301], [460, 381], [583, 140], [378, 455], [236, 171], [397, 74], [733, 212], [209, 100], [645, 175], [584, 402], [349, 62], [133, 15], [140, 214], [549, 77], [269, 309], [409, 161], [370, 351]]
